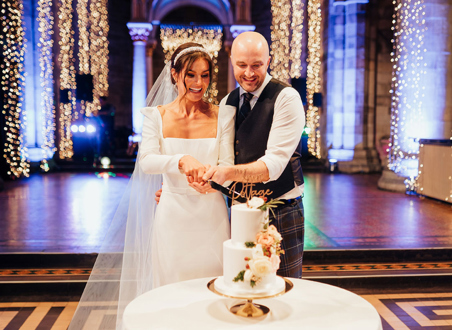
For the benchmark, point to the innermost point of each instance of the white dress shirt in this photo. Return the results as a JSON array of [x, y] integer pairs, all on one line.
[[285, 133]]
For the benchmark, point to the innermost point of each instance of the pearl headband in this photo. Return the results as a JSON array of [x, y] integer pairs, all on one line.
[[190, 50]]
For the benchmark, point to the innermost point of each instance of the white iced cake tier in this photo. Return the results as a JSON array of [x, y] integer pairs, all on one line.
[[245, 224]]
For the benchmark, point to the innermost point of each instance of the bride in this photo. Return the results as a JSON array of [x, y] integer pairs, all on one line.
[[182, 237]]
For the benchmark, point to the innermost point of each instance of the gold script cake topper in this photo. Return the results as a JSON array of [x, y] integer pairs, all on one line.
[[248, 192]]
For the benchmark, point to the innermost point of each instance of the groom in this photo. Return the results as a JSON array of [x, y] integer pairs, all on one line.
[[269, 123]]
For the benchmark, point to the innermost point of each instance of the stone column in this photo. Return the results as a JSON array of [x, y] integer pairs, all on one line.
[[139, 31], [149, 65], [351, 135]]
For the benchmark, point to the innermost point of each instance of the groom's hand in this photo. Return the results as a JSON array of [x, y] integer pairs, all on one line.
[[218, 174], [192, 168]]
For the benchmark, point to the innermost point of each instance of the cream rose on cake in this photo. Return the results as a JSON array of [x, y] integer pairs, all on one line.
[[261, 266]]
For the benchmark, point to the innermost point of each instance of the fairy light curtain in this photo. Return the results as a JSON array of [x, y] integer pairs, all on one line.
[[45, 45], [92, 32], [12, 46], [209, 36], [286, 35], [93, 47], [408, 69], [314, 78], [67, 77], [286, 48]]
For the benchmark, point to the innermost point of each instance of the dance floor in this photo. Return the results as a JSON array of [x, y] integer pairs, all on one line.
[[70, 212], [353, 230]]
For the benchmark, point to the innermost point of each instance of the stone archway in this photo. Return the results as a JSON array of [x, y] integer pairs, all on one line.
[[218, 8]]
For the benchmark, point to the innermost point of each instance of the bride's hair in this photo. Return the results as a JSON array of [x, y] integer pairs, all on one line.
[[187, 60]]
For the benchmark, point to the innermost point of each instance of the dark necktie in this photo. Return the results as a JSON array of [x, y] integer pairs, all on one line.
[[244, 110]]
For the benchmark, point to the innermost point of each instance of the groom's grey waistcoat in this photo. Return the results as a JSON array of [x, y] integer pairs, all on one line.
[[252, 136]]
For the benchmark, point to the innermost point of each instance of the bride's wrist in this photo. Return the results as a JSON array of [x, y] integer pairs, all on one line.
[[181, 163]]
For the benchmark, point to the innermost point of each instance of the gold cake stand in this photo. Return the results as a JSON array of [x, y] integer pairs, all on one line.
[[248, 308]]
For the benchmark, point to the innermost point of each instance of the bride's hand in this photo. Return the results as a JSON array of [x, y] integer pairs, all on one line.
[[192, 168], [202, 188]]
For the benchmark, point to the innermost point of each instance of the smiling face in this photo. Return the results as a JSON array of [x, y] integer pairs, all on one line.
[[250, 60], [192, 83]]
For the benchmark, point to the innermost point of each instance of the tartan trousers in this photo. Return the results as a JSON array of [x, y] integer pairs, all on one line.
[[289, 220]]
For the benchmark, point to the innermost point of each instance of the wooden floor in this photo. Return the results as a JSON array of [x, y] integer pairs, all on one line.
[[69, 213]]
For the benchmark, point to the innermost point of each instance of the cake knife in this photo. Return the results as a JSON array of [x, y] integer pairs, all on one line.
[[228, 192]]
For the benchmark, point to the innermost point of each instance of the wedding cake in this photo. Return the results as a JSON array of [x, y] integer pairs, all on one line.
[[251, 256]]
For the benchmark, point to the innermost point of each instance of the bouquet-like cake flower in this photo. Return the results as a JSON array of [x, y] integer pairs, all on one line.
[[266, 248], [275, 260], [273, 232], [265, 239], [255, 202], [261, 266]]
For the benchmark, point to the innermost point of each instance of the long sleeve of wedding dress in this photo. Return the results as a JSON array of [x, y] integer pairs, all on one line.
[[151, 159]]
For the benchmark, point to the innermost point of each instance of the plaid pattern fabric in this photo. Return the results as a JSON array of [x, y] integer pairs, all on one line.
[[289, 220]]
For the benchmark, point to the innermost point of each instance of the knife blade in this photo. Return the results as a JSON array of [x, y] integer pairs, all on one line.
[[227, 192]]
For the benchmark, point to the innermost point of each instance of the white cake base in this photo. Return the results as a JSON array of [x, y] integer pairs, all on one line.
[[222, 288]]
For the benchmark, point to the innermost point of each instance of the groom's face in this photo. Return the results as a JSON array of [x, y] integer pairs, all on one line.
[[250, 67]]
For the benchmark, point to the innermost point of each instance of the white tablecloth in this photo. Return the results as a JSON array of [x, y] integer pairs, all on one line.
[[309, 305]]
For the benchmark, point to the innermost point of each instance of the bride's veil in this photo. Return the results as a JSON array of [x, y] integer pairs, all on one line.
[[123, 268]]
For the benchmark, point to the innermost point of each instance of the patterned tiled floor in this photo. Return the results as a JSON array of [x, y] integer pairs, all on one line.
[[398, 312], [414, 311]]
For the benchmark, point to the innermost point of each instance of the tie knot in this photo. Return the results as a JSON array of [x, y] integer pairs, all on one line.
[[248, 97]]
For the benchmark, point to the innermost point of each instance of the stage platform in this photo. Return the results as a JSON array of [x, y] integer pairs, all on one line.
[[388, 247]]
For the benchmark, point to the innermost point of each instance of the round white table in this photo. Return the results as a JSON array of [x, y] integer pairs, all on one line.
[[309, 305]]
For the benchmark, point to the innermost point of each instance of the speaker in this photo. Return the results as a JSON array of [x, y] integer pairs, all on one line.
[[317, 99], [85, 87], [64, 95], [300, 85]]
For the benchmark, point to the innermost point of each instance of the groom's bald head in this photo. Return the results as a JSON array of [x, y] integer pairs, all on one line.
[[250, 59], [248, 41]]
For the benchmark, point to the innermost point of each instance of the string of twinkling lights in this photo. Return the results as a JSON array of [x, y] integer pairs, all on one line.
[[45, 45], [286, 35], [280, 34], [313, 79], [12, 46], [83, 50], [407, 92], [67, 77], [296, 27], [98, 50], [209, 36]]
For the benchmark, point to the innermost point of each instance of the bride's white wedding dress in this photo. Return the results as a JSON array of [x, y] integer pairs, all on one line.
[[189, 228]]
